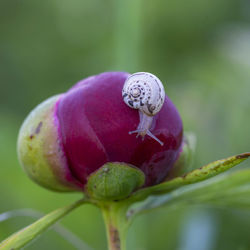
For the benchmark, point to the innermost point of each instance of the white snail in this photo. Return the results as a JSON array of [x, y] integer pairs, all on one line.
[[144, 91]]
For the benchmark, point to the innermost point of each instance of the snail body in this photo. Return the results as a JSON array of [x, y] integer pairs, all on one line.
[[145, 92]]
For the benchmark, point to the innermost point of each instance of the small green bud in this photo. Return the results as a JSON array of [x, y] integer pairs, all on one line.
[[114, 181], [184, 163]]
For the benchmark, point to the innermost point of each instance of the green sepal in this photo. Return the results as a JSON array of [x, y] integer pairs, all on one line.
[[39, 149], [184, 163], [114, 181]]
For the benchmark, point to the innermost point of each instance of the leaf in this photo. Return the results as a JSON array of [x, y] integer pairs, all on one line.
[[194, 176], [60, 229], [228, 190], [27, 234]]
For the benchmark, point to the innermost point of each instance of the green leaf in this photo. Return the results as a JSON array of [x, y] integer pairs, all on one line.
[[29, 233], [197, 175], [60, 229], [228, 190]]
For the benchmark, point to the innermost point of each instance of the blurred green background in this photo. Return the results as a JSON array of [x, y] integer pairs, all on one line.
[[200, 49]]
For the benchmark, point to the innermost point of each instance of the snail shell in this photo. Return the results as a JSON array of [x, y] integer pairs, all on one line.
[[144, 91]]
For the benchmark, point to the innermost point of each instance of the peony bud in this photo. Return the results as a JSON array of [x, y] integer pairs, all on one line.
[[72, 135]]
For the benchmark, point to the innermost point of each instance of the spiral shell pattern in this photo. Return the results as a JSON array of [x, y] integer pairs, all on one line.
[[144, 91]]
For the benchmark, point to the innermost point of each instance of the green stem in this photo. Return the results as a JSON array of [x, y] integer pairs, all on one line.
[[128, 35], [114, 215]]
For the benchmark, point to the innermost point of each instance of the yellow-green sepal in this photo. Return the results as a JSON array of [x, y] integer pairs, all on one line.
[[40, 151]]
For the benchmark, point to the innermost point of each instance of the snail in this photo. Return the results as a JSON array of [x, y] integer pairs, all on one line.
[[144, 91]]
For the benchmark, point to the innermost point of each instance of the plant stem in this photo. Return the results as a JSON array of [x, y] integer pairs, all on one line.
[[128, 33], [114, 215]]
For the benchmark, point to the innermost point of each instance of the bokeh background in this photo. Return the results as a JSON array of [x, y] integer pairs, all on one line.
[[200, 49]]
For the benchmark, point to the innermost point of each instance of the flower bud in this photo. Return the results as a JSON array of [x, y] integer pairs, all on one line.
[[114, 181], [72, 135]]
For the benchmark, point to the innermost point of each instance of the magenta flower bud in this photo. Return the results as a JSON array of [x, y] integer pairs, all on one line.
[[76, 133]]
